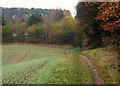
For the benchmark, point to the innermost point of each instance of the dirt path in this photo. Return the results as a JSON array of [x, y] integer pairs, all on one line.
[[96, 77]]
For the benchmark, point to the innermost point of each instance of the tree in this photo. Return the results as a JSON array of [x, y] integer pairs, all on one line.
[[34, 19], [46, 27], [35, 34], [62, 32], [2, 21], [7, 36], [108, 15], [54, 15], [69, 30], [88, 26]]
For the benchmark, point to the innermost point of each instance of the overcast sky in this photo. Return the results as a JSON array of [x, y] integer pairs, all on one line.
[[49, 4]]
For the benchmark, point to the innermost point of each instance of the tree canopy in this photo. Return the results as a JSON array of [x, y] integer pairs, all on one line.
[[34, 19]]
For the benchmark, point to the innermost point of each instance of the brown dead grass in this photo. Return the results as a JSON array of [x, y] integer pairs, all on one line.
[[44, 45]]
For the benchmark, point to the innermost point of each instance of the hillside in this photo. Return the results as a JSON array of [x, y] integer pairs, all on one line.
[[43, 64], [46, 64]]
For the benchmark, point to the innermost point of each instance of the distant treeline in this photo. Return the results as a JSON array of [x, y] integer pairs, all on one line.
[[51, 26], [95, 25], [17, 15]]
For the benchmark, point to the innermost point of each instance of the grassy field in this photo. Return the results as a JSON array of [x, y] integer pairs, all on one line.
[[50, 64], [39, 64]]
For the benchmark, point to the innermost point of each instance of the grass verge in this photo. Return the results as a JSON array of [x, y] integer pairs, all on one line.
[[106, 62]]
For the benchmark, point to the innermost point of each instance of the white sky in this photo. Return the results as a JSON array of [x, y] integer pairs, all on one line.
[[49, 4]]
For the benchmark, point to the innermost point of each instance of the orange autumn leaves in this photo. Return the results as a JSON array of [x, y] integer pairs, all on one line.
[[108, 10], [108, 14], [111, 26]]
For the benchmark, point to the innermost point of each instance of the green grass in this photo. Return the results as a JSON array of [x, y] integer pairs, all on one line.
[[106, 63], [72, 70], [10, 52], [44, 65]]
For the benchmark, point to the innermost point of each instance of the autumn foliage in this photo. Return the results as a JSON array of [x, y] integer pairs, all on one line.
[[108, 14], [111, 26]]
